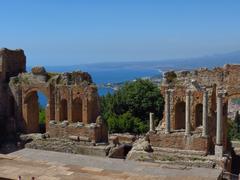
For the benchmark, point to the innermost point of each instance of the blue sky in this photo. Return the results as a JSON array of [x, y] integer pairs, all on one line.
[[68, 32]]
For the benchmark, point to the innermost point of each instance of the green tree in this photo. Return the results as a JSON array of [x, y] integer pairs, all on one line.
[[134, 100]]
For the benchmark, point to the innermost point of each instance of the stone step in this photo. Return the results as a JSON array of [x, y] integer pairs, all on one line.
[[193, 160], [171, 158], [204, 164], [178, 157], [179, 151]]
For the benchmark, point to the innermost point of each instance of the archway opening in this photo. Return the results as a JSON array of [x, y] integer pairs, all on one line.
[[35, 108], [63, 110], [180, 115], [198, 114], [77, 110]]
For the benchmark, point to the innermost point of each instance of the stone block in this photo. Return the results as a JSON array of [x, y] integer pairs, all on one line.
[[38, 70]]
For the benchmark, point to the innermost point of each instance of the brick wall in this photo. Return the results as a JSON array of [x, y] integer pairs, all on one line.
[[96, 133], [179, 141]]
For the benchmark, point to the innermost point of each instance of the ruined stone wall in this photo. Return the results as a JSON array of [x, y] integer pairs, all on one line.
[[178, 100], [81, 101], [71, 98], [224, 79], [12, 62], [65, 101], [88, 133]]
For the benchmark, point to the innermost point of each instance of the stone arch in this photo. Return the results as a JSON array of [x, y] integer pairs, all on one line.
[[37, 89], [180, 115], [31, 110], [63, 110], [198, 114], [77, 110]]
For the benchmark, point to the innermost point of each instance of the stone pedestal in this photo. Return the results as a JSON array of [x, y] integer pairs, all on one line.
[[167, 112], [218, 151], [187, 123], [151, 119]]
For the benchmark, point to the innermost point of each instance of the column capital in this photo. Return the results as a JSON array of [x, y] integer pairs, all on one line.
[[188, 92], [221, 93], [168, 91], [204, 89]]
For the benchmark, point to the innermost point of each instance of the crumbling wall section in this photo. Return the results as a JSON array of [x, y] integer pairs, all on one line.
[[12, 62]]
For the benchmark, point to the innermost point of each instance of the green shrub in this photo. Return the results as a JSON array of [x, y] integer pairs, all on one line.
[[42, 116], [126, 123], [233, 130]]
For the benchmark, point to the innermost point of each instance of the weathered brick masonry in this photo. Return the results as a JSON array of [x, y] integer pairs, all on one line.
[[194, 102], [72, 100]]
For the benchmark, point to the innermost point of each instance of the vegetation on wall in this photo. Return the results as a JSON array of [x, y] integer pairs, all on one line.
[[170, 76], [127, 110]]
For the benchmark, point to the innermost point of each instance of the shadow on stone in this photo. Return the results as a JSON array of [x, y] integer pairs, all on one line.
[[235, 163]]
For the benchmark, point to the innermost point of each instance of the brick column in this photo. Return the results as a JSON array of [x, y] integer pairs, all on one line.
[[151, 119], [69, 106], [85, 114], [205, 113], [167, 112], [57, 105], [187, 122]]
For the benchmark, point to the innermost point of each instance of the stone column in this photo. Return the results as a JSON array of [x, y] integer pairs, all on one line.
[[151, 119], [219, 119], [219, 130], [188, 107], [205, 113], [167, 112]]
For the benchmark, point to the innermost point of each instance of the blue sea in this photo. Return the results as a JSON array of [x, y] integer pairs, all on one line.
[[123, 71]]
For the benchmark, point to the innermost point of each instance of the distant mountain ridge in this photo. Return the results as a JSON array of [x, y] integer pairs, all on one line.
[[211, 61]]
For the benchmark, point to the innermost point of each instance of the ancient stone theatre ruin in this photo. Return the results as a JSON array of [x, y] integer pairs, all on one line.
[[194, 126], [72, 100], [197, 106]]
